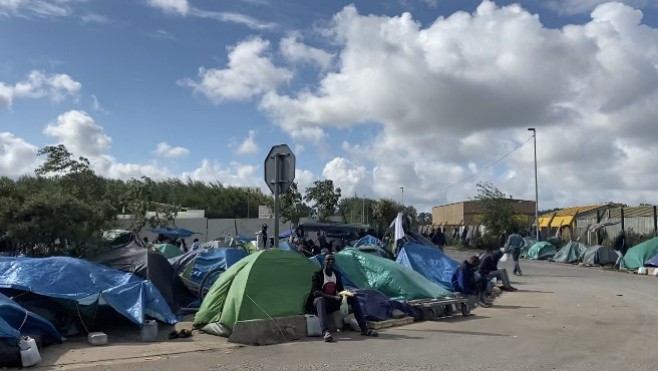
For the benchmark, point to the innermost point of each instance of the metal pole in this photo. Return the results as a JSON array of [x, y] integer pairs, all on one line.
[[402, 200], [363, 209], [248, 193], [277, 183], [534, 136]]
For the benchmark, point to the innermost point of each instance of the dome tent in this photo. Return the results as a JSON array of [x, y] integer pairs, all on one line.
[[600, 255], [269, 283], [430, 262], [637, 255], [542, 251], [571, 253]]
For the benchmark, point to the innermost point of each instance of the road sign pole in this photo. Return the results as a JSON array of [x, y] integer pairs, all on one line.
[[277, 188]]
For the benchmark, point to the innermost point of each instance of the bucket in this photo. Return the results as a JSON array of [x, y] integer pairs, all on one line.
[[313, 327], [29, 352], [150, 331]]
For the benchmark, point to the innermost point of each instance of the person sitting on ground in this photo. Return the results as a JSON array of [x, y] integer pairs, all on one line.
[[465, 282], [325, 298], [489, 269], [513, 245]]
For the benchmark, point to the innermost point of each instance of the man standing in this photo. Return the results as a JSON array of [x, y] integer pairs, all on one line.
[[325, 299], [196, 245], [489, 269], [513, 245], [261, 238]]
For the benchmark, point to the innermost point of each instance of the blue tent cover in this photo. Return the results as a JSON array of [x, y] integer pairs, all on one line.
[[429, 262], [86, 283], [173, 232], [16, 321]]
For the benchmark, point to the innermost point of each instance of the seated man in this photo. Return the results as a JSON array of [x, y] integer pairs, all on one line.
[[489, 269], [465, 282], [325, 298]]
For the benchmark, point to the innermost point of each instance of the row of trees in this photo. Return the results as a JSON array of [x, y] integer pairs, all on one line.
[[65, 205]]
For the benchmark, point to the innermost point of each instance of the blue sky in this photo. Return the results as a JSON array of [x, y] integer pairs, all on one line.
[[421, 94]]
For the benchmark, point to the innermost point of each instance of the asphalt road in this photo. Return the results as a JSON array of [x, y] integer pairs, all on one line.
[[562, 318]]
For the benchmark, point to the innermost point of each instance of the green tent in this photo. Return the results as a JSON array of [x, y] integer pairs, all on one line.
[[638, 254], [367, 271], [168, 250], [269, 283], [541, 251], [570, 253], [527, 244]]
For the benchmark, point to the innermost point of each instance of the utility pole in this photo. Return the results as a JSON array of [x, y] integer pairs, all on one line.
[[534, 136], [402, 199]]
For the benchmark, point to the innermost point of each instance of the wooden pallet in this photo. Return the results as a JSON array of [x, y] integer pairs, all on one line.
[[434, 309], [376, 325]]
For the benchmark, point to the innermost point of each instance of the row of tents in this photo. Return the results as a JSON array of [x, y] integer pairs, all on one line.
[[50, 298], [644, 254]]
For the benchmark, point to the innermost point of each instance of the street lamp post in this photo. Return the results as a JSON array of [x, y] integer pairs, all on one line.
[[363, 209], [534, 136], [402, 199]]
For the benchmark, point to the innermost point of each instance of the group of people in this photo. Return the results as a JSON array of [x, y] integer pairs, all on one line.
[[181, 244], [474, 275]]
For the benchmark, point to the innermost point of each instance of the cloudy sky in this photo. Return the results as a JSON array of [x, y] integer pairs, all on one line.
[[430, 95]]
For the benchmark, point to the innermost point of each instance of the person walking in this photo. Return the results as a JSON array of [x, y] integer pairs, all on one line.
[[514, 244]]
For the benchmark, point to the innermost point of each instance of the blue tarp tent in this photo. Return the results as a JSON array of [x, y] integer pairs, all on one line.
[[368, 240], [374, 304], [85, 283], [430, 262], [287, 233], [213, 259], [16, 321]]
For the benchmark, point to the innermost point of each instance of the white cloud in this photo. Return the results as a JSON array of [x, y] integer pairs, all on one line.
[[17, 157], [37, 8], [572, 7], [171, 6], [459, 93], [166, 150], [236, 174], [248, 146], [79, 133], [38, 84], [248, 73], [296, 51], [351, 179]]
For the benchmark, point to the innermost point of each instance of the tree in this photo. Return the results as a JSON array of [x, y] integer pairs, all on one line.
[[324, 198], [497, 213], [424, 219], [292, 206], [383, 214]]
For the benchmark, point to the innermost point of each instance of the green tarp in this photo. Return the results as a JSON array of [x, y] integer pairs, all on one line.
[[640, 253], [367, 271], [541, 251], [169, 251], [270, 283], [570, 253], [527, 244]]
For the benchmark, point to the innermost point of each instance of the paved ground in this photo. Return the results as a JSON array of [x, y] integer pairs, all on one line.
[[562, 318]]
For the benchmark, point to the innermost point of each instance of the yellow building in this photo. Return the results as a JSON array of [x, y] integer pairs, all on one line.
[[469, 212]]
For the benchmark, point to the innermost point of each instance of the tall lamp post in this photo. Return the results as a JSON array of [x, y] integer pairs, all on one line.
[[534, 137], [402, 199]]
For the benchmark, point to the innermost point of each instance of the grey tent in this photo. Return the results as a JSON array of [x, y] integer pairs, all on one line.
[[600, 255], [570, 253]]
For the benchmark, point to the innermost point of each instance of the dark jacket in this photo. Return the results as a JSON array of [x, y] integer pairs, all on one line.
[[463, 280], [489, 262], [316, 291]]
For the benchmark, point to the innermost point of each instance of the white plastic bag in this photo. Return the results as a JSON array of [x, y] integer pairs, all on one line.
[[504, 258], [344, 308]]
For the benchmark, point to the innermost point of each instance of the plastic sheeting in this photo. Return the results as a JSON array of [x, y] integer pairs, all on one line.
[[570, 253], [368, 271], [86, 283], [270, 283], [374, 304], [600, 255], [169, 251], [150, 265], [637, 255], [432, 263], [16, 321], [367, 240], [214, 259], [541, 251]]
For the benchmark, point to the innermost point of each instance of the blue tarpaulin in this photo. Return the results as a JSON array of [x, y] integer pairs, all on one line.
[[16, 321], [429, 262], [86, 283], [374, 304], [215, 259], [367, 240]]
